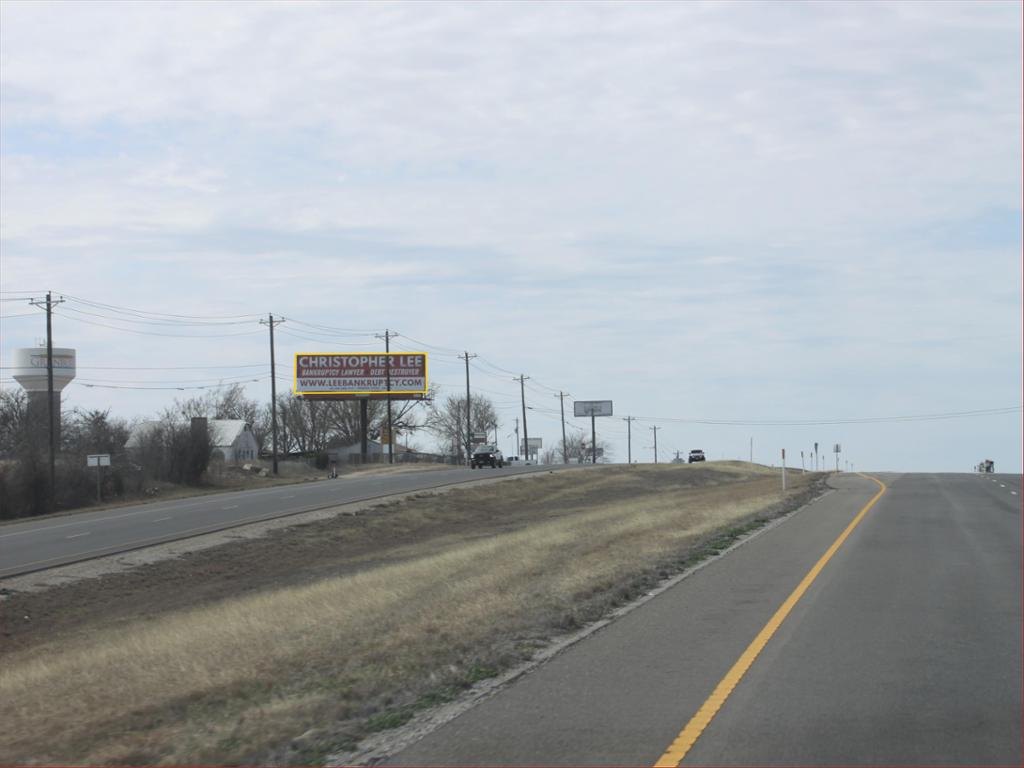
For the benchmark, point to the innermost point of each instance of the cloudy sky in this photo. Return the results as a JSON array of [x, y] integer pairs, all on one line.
[[747, 213]]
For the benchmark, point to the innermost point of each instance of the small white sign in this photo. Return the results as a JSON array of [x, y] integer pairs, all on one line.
[[97, 460]]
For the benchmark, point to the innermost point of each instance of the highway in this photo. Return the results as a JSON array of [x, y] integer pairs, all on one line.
[[45, 543], [902, 647]]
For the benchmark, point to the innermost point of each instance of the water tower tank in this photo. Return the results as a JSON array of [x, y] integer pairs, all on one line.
[[30, 368]]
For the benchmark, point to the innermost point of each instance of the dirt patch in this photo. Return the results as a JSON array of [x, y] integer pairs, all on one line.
[[290, 646]]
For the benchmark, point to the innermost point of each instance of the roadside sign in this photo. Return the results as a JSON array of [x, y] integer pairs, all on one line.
[[479, 438], [592, 408], [97, 460], [534, 444]]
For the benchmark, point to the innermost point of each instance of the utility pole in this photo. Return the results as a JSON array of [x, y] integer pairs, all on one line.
[[271, 322], [387, 378], [469, 429], [49, 304], [526, 435], [565, 448], [629, 438], [517, 435], [655, 431], [593, 439]]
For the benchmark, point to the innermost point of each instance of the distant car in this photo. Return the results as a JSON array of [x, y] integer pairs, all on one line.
[[489, 456], [697, 455]]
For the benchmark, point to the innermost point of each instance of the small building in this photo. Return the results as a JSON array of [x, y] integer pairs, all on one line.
[[233, 440]]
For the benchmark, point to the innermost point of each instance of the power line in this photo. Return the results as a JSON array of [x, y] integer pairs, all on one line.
[[162, 322], [154, 333], [149, 313]]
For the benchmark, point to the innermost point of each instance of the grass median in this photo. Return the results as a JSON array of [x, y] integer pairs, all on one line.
[[289, 673]]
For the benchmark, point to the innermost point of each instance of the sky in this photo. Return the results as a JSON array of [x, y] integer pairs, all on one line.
[[746, 224]]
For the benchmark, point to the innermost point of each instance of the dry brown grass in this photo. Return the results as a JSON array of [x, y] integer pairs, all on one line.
[[290, 673]]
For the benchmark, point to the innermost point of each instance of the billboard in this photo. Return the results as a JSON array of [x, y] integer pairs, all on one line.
[[592, 408], [360, 373]]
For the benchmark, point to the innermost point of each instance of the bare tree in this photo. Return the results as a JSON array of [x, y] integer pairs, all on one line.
[[14, 429], [448, 421], [579, 452]]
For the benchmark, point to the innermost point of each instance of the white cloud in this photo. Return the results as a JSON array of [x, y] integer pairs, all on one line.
[[734, 182]]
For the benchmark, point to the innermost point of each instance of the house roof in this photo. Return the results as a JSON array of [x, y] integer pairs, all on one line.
[[225, 431]]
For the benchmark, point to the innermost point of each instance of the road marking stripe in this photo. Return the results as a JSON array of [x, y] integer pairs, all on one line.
[[160, 519], [688, 736], [77, 535]]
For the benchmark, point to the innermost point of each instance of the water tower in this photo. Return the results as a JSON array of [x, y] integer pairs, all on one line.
[[30, 372]]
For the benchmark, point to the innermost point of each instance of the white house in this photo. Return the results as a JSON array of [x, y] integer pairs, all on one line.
[[233, 440]]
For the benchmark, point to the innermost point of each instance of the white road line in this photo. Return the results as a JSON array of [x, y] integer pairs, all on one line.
[[235, 506], [1001, 485], [157, 520], [287, 497], [77, 535], [1013, 493]]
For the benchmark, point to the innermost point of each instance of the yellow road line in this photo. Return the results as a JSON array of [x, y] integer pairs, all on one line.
[[688, 736]]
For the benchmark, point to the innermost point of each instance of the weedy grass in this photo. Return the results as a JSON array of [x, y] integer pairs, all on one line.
[[290, 674]]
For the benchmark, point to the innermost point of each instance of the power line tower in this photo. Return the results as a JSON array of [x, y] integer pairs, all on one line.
[[270, 322], [387, 336], [526, 435], [565, 448], [469, 429], [49, 304], [629, 438]]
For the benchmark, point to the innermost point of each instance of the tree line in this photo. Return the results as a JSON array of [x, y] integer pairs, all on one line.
[[169, 450]]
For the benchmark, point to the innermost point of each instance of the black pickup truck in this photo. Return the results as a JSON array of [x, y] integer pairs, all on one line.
[[489, 456]]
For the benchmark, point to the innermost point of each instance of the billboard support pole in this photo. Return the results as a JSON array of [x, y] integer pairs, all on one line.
[[364, 426]]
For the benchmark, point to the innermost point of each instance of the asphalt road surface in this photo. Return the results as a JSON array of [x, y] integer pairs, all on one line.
[[40, 544], [905, 649]]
